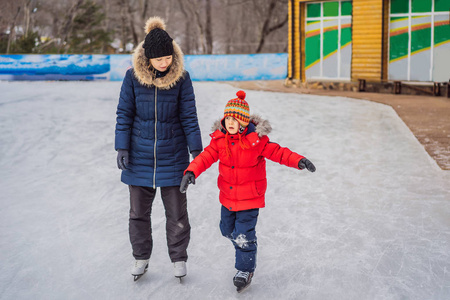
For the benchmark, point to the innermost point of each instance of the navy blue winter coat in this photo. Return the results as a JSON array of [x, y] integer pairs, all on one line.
[[157, 122]]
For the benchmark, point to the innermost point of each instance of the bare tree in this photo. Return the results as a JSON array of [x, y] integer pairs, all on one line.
[[107, 9], [70, 16], [131, 19], [187, 28], [248, 24], [201, 26], [195, 8], [12, 30], [267, 14], [208, 28]]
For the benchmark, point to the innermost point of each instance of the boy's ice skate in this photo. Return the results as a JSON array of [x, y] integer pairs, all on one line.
[[242, 280], [179, 269], [139, 268]]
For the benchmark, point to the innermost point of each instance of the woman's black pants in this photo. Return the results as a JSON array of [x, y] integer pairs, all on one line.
[[178, 229]]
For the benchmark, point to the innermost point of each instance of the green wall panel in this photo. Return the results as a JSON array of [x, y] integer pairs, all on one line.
[[398, 46], [442, 5], [330, 9], [397, 18], [441, 33], [312, 45], [313, 10], [418, 6], [420, 39], [330, 42], [346, 36], [399, 6], [346, 8]]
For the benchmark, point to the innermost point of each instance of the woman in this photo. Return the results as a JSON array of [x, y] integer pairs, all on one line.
[[156, 126]]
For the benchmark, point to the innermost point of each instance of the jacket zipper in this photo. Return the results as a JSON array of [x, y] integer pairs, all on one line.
[[156, 139]]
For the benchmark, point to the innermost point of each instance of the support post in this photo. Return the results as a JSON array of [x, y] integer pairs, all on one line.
[[397, 87], [436, 88], [362, 85]]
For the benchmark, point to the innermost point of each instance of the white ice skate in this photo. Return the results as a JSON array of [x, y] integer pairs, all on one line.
[[179, 269], [139, 268]]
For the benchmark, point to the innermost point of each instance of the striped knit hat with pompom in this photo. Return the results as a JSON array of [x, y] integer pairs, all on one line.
[[238, 108]]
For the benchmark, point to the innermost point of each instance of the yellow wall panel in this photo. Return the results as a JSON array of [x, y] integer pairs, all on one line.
[[294, 36], [367, 40], [298, 28], [290, 41]]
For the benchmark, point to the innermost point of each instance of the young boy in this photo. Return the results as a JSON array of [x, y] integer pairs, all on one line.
[[241, 144]]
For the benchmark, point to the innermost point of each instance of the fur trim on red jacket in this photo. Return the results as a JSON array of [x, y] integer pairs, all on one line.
[[262, 126]]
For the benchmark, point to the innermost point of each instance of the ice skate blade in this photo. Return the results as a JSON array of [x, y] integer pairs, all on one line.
[[243, 288], [136, 277], [180, 277]]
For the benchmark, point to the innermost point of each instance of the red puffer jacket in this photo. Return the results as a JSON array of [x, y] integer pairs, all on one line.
[[242, 169]]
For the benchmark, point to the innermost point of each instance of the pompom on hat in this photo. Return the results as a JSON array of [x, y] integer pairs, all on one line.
[[238, 108]]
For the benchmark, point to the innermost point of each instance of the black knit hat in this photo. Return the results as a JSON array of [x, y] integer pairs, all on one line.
[[158, 43]]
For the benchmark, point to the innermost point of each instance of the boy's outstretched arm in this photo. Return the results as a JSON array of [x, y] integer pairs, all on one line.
[[285, 156], [306, 163]]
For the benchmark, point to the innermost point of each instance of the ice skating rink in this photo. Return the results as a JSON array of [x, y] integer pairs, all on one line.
[[373, 222]]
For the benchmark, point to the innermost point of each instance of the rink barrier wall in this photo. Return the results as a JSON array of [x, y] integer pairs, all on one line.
[[233, 67]]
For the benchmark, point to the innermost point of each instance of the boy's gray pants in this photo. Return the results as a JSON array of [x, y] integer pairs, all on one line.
[[178, 230]]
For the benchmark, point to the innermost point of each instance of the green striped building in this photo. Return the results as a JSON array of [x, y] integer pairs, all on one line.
[[376, 40]]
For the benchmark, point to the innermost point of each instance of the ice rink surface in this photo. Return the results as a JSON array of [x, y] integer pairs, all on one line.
[[373, 222]]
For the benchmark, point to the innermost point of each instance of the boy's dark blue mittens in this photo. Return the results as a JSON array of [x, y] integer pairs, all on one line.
[[195, 153], [305, 163], [122, 159], [188, 178]]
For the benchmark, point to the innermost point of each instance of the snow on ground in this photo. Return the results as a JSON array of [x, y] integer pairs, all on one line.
[[371, 223]]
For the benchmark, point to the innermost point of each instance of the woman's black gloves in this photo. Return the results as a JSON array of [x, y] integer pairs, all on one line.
[[122, 159], [188, 178], [305, 163]]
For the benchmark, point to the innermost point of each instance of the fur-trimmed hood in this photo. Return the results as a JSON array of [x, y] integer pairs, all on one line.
[[257, 124], [145, 73]]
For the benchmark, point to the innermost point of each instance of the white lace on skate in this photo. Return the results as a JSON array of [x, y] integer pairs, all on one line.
[[140, 263], [241, 274], [242, 280]]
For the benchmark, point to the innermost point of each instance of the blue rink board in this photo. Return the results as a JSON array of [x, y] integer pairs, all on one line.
[[236, 67]]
